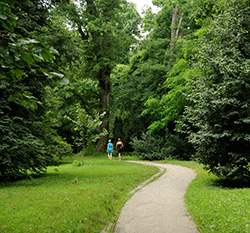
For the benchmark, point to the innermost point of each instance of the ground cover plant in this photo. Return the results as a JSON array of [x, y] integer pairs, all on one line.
[[216, 205], [53, 203]]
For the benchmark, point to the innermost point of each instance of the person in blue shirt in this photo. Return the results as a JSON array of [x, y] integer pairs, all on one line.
[[110, 148]]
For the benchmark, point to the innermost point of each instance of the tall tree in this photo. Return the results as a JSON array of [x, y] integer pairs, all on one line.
[[106, 41], [219, 119], [24, 142], [152, 87]]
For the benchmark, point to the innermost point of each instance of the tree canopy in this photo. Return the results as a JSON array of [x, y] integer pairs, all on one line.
[[172, 84]]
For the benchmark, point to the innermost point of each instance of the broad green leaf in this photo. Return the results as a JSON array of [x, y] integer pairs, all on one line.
[[11, 2], [38, 57], [8, 27], [12, 98], [52, 50], [22, 101], [27, 58], [19, 73], [46, 56]]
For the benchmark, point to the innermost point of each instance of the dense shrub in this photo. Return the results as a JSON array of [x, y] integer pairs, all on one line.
[[154, 147], [219, 121], [178, 147], [27, 143], [149, 147]]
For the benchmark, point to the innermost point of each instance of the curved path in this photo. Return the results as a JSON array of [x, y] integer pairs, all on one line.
[[159, 206]]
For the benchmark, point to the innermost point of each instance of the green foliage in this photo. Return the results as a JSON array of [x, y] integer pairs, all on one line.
[[206, 9], [149, 147], [218, 122], [7, 19], [56, 145], [66, 105], [171, 105], [129, 95], [135, 83], [162, 24], [32, 16], [150, 93], [154, 147], [106, 30], [22, 148], [21, 57], [90, 149], [124, 86], [87, 126], [76, 163], [177, 147], [27, 144]]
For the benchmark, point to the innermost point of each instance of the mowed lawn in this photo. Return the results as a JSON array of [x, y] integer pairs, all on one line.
[[217, 206], [53, 204]]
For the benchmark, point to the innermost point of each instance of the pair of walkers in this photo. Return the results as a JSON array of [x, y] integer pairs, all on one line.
[[118, 146]]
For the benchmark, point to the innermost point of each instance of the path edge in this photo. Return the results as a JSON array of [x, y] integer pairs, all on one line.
[[110, 228]]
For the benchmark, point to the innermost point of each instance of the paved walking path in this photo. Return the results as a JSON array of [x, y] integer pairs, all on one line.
[[159, 206]]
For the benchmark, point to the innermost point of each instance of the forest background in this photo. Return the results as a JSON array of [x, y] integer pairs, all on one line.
[[76, 73]]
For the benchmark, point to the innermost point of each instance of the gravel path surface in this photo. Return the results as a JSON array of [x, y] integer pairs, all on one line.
[[159, 206]]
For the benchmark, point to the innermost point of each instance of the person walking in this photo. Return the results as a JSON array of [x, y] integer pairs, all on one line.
[[119, 146], [110, 148]]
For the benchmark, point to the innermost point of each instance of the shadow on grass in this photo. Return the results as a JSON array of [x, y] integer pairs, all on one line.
[[234, 184], [30, 180], [56, 176]]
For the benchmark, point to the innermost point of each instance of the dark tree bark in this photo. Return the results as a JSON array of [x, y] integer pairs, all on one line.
[[105, 94]]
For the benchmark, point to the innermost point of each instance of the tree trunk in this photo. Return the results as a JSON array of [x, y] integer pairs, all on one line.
[[102, 43], [105, 93], [177, 31], [173, 27]]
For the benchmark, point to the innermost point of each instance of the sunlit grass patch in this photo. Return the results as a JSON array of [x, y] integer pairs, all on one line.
[[52, 203], [214, 207]]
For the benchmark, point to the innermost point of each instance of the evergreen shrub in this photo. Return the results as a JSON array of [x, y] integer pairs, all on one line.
[[155, 147]]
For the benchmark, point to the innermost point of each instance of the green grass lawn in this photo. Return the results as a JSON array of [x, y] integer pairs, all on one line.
[[53, 204], [215, 207]]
